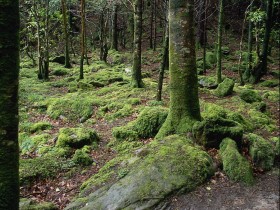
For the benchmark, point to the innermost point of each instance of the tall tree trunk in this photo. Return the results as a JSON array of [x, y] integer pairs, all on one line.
[[219, 43], [115, 28], [155, 25], [46, 54], [82, 37], [184, 102], [163, 62], [151, 23], [204, 36], [261, 68], [136, 71], [66, 34], [9, 69]]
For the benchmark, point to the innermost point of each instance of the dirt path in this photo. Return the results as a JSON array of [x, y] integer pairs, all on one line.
[[221, 194]]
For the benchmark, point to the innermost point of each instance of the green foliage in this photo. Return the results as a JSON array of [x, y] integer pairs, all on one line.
[[60, 71], [234, 164], [211, 58], [261, 151], [272, 96], [270, 83], [261, 120], [27, 204], [76, 137], [250, 96], [31, 144], [40, 126], [146, 125]]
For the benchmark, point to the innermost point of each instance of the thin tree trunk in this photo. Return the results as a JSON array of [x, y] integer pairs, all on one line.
[[46, 54], [136, 71], [155, 26], [66, 34], [151, 24], [204, 36], [163, 63], [115, 28], [184, 102], [82, 39], [219, 47], [9, 70]]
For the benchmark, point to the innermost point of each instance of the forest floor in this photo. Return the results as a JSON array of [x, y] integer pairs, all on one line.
[[59, 188]]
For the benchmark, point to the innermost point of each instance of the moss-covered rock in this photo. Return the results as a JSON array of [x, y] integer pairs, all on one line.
[[260, 106], [211, 58], [27, 204], [59, 72], [40, 126], [272, 96], [211, 131], [30, 144], [234, 164], [250, 96], [261, 151], [170, 164], [76, 137], [262, 120], [225, 88], [146, 125], [270, 83], [82, 157]]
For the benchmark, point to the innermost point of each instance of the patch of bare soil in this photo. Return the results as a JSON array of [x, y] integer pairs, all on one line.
[[222, 194]]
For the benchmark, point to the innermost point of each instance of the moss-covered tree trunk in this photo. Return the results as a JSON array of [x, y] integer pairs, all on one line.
[[114, 44], [66, 34], [136, 70], [46, 53], [164, 60], [184, 102], [219, 43], [82, 37], [9, 69]]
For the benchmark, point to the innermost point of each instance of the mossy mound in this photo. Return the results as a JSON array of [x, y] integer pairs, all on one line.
[[32, 144], [261, 120], [40, 167], [76, 137], [225, 88], [145, 126], [211, 131], [81, 157], [234, 164], [40, 126], [272, 96], [27, 204], [270, 83], [170, 164], [59, 72], [261, 151], [72, 106], [211, 58], [250, 96], [207, 82]]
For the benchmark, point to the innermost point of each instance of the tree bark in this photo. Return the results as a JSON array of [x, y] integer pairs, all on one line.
[[9, 70], [219, 47], [82, 39], [114, 45], [66, 34], [184, 102], [136, 70]]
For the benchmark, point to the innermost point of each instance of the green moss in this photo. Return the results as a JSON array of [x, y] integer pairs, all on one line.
[[40, 126], [76, 137], [27, 204], [146, 125], [250, 96], [29, 144], [59, 72], [211, 58], [260, 106], [270, 83], [272, 96], [261, 151], [276, 141], [211, 131], [82, 158], [225, 88], [261, 120], [40, 167], [234, 164]]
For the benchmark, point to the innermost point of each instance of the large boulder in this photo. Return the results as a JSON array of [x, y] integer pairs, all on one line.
[[171, 164], [234, 164], [261, 151]]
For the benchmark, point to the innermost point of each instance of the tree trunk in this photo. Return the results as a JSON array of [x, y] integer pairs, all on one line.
[[163, 63], [204, 36], [114, 45], [46, 54], [155, 26], [219, 47], [261, 67], [184, 102], [82, 39], [136, 71], [9, 70], [151, 23], [66, 34]]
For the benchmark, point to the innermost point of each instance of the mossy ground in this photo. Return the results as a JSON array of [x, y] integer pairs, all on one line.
[[104, 100]]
